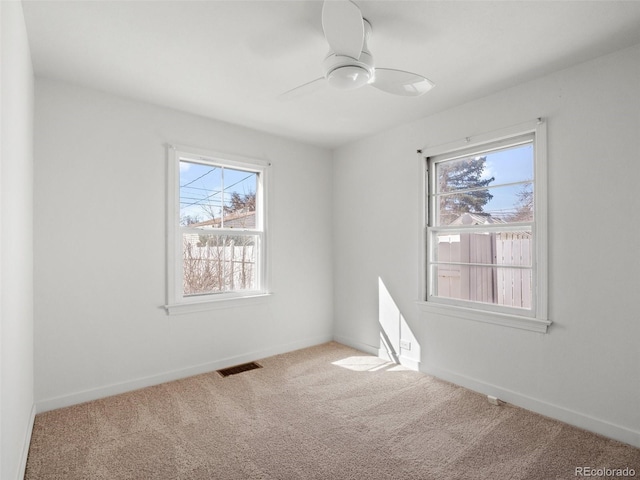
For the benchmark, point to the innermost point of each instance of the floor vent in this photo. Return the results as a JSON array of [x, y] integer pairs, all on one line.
[[245, 367]]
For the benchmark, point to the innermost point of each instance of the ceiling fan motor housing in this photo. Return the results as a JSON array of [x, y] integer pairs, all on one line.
[[347, 73]]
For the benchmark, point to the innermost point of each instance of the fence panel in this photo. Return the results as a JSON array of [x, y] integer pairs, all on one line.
[[498, 284]]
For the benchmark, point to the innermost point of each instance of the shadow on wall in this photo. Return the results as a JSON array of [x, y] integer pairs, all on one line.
[[398, 344]]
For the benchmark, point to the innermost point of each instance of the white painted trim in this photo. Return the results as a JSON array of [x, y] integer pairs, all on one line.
[[410, 363], [535, 319], [198, 153], [218, 304], [423, 212], [556, 412], [504, 319], [176, 302], [481, 139], [541, 201], [138, 383], [363, 347], [22, 466]]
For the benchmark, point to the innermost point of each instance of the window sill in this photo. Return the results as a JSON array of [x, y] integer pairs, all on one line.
[[217, 304], [495, 318]]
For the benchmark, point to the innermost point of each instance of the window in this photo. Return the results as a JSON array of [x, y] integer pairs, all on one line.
[[485, 231], [216, 228]]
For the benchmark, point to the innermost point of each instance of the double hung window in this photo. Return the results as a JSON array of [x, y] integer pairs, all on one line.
[[485, 226], [216, 227]]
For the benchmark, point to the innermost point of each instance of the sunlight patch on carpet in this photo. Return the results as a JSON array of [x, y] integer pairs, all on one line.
[[367, 364]]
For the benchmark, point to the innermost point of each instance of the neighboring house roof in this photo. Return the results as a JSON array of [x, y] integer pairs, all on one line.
[[475, 219], [232, 220]]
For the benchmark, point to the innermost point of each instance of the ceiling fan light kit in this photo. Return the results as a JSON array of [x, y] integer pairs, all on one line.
[[349, 77], [349, 64]]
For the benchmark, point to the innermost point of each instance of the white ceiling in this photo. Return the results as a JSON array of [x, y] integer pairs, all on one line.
[[230, 60]]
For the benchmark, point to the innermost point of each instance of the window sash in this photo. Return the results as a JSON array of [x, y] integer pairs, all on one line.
[[507, 281]]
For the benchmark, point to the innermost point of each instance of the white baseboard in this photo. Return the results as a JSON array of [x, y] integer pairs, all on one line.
[[410, 363], [130, 385], [27, 442], [363, 347], [577, 419]]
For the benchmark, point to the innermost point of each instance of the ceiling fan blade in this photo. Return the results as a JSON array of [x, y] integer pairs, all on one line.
[[343, 27], [303, 90], [402, 83]]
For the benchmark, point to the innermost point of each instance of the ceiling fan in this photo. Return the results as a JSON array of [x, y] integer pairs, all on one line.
[[349, 64]]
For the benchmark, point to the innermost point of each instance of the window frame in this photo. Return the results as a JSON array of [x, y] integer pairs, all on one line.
[[177, 302], [535, 319]]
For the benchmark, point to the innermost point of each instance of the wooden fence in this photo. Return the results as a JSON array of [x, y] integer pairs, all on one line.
[[503, 281], [213, 263]]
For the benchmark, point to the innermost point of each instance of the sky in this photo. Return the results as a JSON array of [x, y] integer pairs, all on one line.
[[202, 185]]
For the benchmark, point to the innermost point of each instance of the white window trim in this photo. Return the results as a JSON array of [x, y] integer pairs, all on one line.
[[535, 320], [176, 302]]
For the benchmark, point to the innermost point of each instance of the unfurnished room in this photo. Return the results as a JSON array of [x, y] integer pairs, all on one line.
[[330, 240]]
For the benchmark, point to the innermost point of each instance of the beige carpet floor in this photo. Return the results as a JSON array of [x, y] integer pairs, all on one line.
[[327, 412]]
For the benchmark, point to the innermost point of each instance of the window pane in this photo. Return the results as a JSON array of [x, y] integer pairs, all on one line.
[[217, 197], [239, 209], [494, 285], [200, 194], [499, 167], [219, 263], [512, 203], [492, 248]]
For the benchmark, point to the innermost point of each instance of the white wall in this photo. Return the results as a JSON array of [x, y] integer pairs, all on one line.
[[16, 245], [100, 248], [586, 370]]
